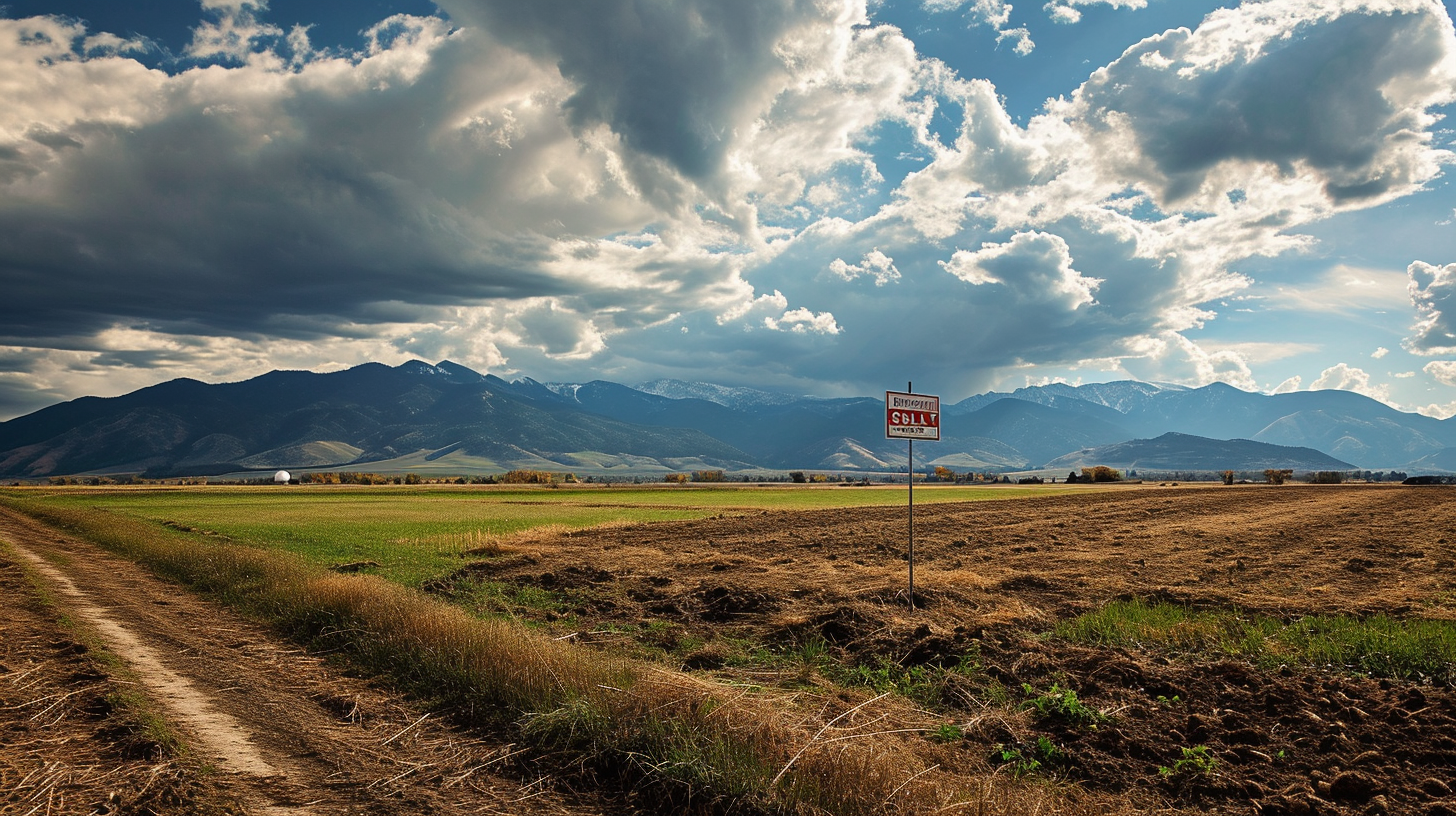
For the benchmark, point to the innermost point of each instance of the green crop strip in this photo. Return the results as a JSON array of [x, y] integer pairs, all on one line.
[[1379, 645]]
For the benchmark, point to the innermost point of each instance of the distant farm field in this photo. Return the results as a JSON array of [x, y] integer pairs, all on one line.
[[415, 533]]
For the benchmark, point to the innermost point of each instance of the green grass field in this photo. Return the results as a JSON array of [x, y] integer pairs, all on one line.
[[417, 533]]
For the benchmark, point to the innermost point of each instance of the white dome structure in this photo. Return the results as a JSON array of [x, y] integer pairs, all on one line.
[[282, 477]]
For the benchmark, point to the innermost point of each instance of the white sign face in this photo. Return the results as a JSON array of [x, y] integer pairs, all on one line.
[[912, 416]]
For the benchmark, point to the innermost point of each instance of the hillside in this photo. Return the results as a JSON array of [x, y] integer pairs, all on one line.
[[1175, 451], [447, 419], [368, 414]]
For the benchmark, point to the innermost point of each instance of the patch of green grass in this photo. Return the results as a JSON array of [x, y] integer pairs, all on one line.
[[1061, 704], [1379, 645], [525, 601], [922, 684]]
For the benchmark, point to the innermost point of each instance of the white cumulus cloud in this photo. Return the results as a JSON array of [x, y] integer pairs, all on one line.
[[1036, 266], [1344, 377], [1433, 293], [876, 265], [1443, 371]]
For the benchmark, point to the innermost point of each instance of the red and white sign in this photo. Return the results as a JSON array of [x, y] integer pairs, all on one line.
[[912, 416]]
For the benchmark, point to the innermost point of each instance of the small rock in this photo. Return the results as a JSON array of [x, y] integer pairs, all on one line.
[[1378, 806]]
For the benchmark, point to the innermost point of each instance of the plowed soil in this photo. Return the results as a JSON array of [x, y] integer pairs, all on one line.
[[264, 728], [991, 576]]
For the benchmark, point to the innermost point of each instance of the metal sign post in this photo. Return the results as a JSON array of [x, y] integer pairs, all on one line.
[[911, 416]]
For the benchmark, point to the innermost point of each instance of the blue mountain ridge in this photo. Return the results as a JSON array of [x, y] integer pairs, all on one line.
[[443, 416]]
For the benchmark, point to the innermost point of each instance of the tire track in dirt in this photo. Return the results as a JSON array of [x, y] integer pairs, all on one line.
[[289, 734], [214, 732]]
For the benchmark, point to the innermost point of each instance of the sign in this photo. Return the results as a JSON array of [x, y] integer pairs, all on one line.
[[912, 416]]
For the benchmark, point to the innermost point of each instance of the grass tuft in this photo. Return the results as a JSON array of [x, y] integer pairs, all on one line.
[[1379, 645]]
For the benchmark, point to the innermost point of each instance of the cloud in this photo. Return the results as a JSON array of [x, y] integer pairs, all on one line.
[[876, 264], [1433, 292], [1346, 290], [1289, 386], [1065, 11], [678, 83], [1020, 39], [1443, 371], [1379, 352], [995, 14], [1343, 377], [234, 33], [1438, 411], [1035, 266], [1317, 106], [1171, 357], [803, 321]]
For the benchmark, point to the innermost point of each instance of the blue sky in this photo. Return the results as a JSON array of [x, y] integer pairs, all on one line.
[[823, 196]]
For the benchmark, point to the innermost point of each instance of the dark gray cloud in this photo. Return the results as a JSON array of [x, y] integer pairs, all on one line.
[[237, 205], [675, 79], [1341, 96]]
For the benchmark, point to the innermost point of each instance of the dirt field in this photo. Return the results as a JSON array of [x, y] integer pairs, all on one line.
[[992, 575], [271, 730], [265, 728]]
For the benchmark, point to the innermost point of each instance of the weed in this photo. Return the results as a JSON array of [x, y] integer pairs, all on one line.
[[813, 651], [1196, 761], [924, 685], [1026, 759], [947, 732], [1169, 702], [996, 693], [1062, 704]]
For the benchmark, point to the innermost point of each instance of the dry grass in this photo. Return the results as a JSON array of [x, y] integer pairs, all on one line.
[[700, 746]]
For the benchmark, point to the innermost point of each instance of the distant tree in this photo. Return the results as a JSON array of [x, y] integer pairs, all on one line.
[[707, 475], [1327, 477], [1100, 473], [675, 478], [1072, 477], [412, 478], [1276, 477], [797, 476], [944, 474], [527, 477], [1228, 477]]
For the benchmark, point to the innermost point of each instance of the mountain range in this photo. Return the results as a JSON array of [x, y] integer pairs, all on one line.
[[448, 419]]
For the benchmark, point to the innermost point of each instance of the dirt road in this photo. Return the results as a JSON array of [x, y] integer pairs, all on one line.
[[267, 729]]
